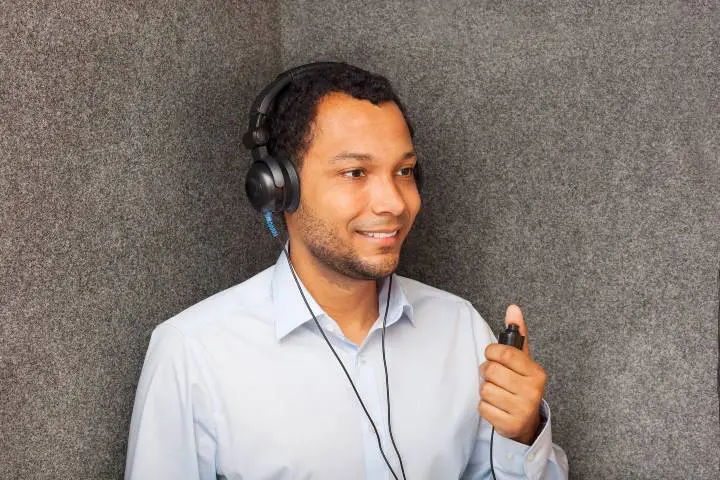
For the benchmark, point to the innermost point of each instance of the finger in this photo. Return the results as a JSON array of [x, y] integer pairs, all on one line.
[[500, 398], [514, 359], [514, 315], [502, 376], [498, 418]]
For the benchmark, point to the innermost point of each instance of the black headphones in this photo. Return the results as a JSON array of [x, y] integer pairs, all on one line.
[[272, 183]]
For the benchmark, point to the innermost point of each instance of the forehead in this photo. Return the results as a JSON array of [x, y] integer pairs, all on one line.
[[345, 123]]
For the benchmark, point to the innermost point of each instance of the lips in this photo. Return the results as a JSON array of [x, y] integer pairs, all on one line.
[[380, 234], [381, 237]]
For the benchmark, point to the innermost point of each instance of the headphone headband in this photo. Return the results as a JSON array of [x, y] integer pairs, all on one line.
[[262, 103]]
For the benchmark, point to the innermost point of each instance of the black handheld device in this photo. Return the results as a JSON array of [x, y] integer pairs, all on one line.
[[511, 336]]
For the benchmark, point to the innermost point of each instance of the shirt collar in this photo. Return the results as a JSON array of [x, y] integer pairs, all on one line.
[[291, 311]]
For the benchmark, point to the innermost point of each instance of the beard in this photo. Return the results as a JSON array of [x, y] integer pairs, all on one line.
[[328, 248]]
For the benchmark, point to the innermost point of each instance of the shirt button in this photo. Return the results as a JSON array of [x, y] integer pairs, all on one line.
[[362, 361], [509, 456], [531, 457]]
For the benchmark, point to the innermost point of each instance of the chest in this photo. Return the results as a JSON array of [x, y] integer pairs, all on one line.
[[289, 411]]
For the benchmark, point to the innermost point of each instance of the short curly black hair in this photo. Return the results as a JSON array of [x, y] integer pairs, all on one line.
[[294, 109]]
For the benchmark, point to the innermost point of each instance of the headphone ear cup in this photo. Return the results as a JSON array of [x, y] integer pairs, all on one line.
[[260, 188], [291, 197]]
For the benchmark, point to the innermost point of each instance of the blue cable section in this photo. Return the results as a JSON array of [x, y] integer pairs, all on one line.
[[270, 224]]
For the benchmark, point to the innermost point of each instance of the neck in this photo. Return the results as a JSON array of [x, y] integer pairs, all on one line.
[[350, 302]]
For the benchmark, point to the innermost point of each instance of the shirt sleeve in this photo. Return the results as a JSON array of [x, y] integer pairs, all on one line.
[[543, 460], [172, 430]]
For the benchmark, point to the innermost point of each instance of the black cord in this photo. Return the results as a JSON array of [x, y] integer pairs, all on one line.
[[387, 382], [492, 469], [352, 384]]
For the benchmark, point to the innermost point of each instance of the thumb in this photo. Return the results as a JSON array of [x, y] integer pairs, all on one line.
[[515, 316]]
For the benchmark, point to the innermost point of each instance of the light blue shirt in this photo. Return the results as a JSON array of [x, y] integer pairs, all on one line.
[[243, 386]]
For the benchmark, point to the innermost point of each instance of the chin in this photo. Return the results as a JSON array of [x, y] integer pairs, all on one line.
[[385, 267]]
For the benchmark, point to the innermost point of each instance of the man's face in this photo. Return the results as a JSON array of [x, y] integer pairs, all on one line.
[[356, 184]]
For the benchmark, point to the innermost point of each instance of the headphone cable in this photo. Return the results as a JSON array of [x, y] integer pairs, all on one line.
[[274, 232], [387, 383], [492, 468]]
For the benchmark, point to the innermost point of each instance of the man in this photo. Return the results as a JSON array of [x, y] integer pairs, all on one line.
[[244, 386]]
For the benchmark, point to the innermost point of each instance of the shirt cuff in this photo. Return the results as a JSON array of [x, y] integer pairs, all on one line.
[[528, 461]]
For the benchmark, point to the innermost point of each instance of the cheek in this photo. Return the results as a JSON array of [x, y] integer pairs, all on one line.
[[413, 202], [343, 206]]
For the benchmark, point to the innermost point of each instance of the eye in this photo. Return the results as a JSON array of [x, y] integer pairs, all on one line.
[[407, 171], [355, 173]]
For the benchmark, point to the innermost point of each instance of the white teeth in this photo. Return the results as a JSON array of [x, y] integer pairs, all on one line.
[[380, 234]]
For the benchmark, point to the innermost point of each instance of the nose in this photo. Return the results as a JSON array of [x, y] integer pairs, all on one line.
[[387, 198]]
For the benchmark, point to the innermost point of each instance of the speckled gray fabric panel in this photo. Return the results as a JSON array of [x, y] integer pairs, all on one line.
[[121, 203], [572, 161]]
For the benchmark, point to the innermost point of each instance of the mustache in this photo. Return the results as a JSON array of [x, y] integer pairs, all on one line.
[[399, 223]]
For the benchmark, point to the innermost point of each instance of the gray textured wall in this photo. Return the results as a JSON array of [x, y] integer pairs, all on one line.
[[121, 203], [572, 165]]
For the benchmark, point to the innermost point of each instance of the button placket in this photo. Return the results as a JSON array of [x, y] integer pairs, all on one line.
[[367, 386]]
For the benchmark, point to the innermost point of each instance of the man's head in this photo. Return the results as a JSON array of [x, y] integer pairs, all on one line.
[[347, 132]]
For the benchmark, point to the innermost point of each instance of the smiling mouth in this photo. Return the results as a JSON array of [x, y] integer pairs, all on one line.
[[392, 234], [386, 241]]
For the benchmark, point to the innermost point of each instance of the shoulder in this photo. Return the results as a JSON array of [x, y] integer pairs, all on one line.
[[224, 309], [438, 312], [426, 299], [419, 294]]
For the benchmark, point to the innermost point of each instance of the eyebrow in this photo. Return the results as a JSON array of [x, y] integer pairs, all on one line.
[[363, 157]]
